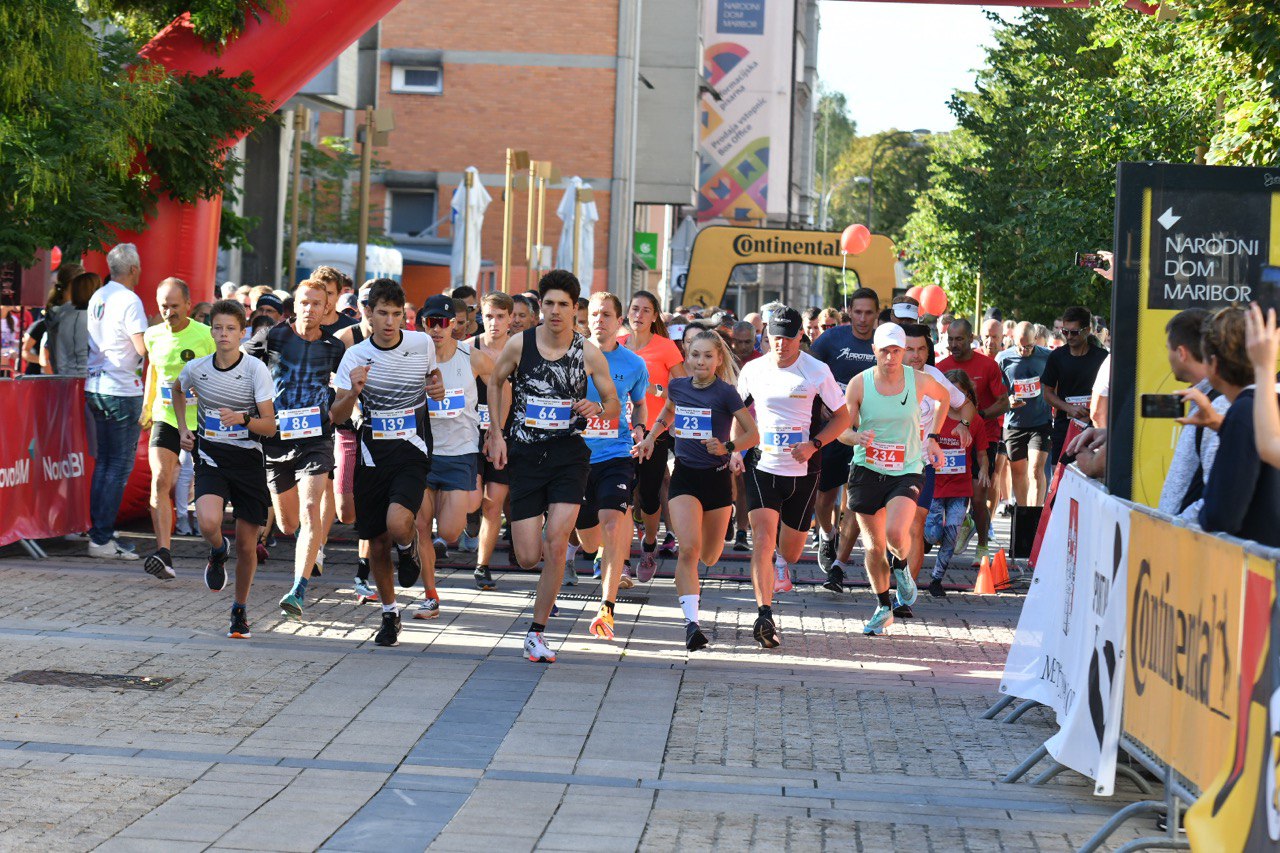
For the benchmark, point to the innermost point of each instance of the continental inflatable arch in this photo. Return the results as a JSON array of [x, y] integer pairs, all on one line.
[[718, 249]]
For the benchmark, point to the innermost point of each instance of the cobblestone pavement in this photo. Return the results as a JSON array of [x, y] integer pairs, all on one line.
[[310, 737]]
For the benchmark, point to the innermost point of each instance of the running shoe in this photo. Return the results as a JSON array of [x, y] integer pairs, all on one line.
[[597, 568], [408, 566], [648, 566], [626, 581], [183, 526], [215, 572], [907, 589], [826, 552], [879, 621], [442, 548], [427, 608], [389, 633], [317, 568], [740, 543], [903, 611], [980, 553], [602, 625], [782, 576], [1006, 509], [935, 588], [766, 633], [694, 639], [263, 553], [484, 580], [111, 550], [555, 609], [271, 540], [835, 578], [239, 629], [536, 650], [468, 544], [291, 606], [570, 573], [365, 594], [669, 548], [160, 564], [967, 529]]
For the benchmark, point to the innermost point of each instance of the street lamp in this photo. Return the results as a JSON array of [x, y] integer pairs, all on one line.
[[895, 138]]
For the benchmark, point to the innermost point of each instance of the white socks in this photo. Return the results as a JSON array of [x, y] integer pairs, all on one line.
[[689, 606], [389, 608]]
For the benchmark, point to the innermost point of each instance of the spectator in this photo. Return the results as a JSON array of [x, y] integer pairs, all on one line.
[[743, 343], [1264, 343], [10, 338], [1100, 407], [58, 307], [114, 394], [1090, 451], [1069, 374], [1242, 497], [1194, 453], [200, 312], [70, 353], [32, 342]]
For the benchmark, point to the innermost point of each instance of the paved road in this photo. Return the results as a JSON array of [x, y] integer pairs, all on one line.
[[308, 736]]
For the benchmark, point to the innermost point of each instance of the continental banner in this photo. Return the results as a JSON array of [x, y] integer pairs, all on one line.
[[1240, 810], [1182, 677]]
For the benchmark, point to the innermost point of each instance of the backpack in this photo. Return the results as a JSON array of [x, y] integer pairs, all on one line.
[[1195, 489]]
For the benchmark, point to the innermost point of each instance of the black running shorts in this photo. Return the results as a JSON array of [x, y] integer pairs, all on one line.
[[1021, 441], [837, 458], [870, 491], [244, 488], [287, 461], [609, 486], [165, 437], [713, 487], [791, 497], [550, 472], [377, 488]]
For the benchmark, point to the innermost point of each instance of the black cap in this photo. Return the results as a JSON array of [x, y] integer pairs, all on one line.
[[270, 300], [785, 322], [993, 314], [438, 306]]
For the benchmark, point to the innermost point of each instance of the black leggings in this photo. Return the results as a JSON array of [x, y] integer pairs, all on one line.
[[651, 473]]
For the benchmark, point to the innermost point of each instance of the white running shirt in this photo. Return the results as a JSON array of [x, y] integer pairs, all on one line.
[[783, 398]]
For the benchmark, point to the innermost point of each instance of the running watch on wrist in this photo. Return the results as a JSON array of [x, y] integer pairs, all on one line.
[[817, 444], [966, 424], [728, 446], [934, 436], [246, 418]]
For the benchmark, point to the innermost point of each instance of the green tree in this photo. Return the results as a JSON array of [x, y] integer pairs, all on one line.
[[328, 207]]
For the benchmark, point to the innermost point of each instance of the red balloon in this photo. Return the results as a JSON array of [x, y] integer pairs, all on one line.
[[55, 258], [933, 300], [855, 239], [914, 292]]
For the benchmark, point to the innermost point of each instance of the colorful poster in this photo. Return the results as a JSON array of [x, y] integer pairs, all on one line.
[[747, 61]]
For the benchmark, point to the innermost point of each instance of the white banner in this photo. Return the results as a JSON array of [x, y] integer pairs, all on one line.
[[1068, 651]]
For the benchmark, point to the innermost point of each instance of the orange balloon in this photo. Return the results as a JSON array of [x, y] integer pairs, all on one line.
[[855, 239], [933, 300], [914, 292]]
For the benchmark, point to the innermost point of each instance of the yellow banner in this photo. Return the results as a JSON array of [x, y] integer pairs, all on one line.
[[1182, 672]]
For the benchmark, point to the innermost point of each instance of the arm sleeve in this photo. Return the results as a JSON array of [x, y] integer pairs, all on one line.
[[184, 377], [1234, 473]]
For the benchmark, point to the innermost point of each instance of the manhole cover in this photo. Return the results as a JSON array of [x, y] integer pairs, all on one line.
[[587, 596], [62, 678]]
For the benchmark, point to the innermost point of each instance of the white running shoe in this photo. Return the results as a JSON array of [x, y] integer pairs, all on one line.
[[536, 650], [111, 550]]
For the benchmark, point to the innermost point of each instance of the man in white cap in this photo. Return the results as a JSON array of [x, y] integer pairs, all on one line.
[[889, 459]]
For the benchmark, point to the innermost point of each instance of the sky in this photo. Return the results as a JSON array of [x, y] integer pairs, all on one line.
[[913, 56]]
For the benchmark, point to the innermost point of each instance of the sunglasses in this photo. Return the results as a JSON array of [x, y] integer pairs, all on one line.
[[1071, 333], [436, 322], [829, 326]]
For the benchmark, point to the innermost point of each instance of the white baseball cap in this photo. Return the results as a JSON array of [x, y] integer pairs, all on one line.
[[889, 335], [906, 311]]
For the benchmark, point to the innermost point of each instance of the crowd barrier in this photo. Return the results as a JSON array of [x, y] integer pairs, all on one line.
[[45, 467], [1146, 634]]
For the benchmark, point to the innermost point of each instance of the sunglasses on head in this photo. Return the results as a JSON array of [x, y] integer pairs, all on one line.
[[436, 322]]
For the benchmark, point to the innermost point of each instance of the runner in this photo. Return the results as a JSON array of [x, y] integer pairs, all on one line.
[[1027, 433], [889, 458], [388, 373], [1069, 374], [496, 311], [665, 361], [170, 345], [452, 482], [335, 282], [549, 398], [602, 522], [233, 393], [700, 411], [786, 386], [523, 315], [953, 488], [846, 350], [344, 470], [300, 457]]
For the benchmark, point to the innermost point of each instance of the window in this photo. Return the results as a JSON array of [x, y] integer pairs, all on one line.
[[422, 79], [411, 212]]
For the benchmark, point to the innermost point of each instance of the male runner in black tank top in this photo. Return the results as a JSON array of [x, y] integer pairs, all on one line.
[[550, 405]]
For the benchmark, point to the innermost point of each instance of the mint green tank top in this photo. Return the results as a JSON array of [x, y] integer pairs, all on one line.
[[895, 421]]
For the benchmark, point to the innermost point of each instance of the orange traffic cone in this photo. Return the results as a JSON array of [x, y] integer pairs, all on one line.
[[984, 586], [1000, 572]]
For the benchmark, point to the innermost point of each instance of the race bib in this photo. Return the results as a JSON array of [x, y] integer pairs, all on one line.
[[214, 428], [1027, 389], [483, 410], [957, 462], [543, 413], [455, 399], [887, 457], [1080, 401], [299, 423], [601, 428], [388, 424], [691, 423], [782, 439], [166, 395]]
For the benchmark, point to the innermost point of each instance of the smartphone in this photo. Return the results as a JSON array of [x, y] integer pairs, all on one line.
[[1089, 260], [1163, 406]]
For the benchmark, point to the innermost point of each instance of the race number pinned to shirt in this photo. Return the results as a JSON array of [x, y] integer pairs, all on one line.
[[483, 410], [691, 423], [887, 457], [957, 462], [544, 413], [601, 428], [1084, 400], [215, 429], [782, 439], [299, 423], [1026, 389], [388, 424], [455, 399], [166, 396]]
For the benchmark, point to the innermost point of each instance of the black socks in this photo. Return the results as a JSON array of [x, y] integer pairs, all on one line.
[[885, 598]]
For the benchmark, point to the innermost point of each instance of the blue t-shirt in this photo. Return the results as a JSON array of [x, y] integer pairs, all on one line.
[[846, 354], [691, 421], [1023, 376], [631, 379]]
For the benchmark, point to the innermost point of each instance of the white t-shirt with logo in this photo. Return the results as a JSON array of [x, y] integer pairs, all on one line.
[[115, 315], [783, 398]]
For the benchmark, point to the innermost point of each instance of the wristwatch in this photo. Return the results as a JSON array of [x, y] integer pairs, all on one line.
[[817, 444], [934, 436], [728, 446], [965, 423], [658, 389], [247, 419]]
